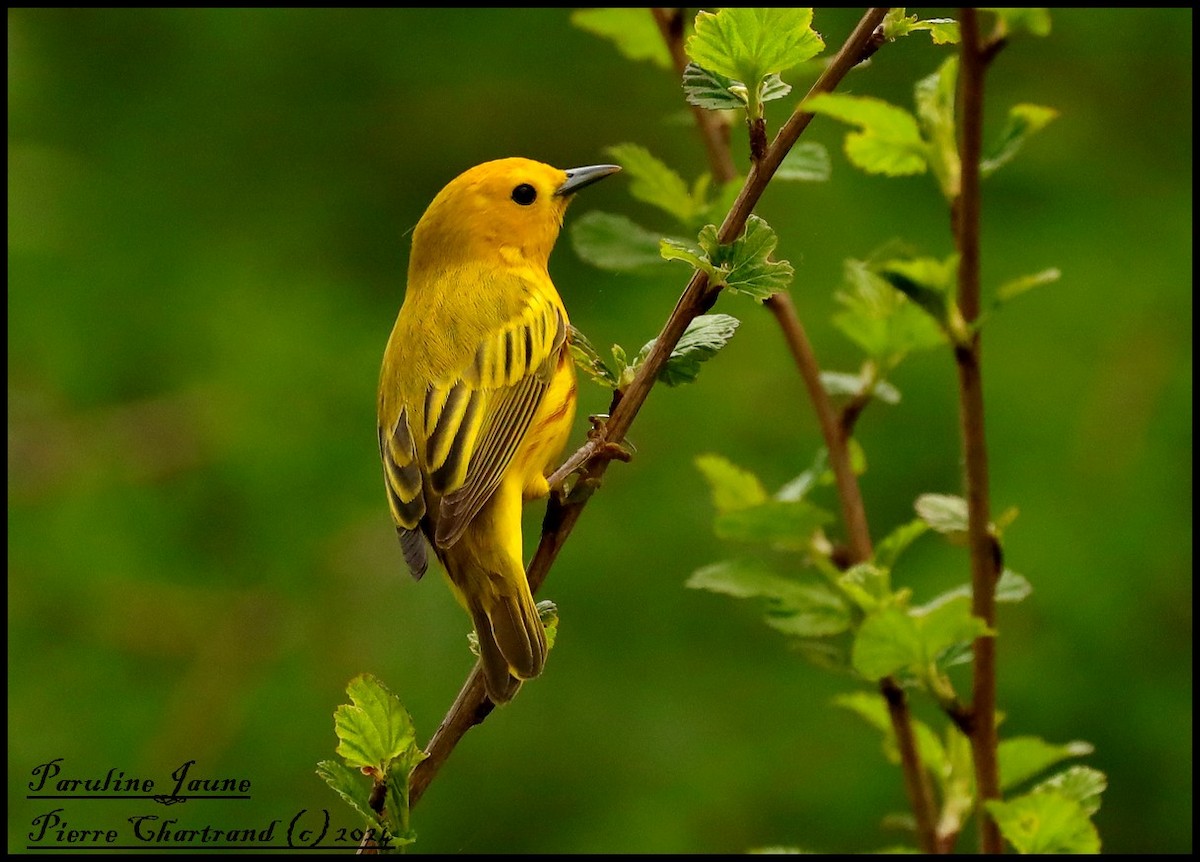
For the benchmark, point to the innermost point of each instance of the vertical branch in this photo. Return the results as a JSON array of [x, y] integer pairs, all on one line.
[[984, 551], [862, 44]]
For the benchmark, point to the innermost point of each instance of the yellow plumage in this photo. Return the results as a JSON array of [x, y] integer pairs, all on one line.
[[477, 396]]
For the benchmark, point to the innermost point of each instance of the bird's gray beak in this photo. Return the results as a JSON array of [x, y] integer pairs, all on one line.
[[577, 178]]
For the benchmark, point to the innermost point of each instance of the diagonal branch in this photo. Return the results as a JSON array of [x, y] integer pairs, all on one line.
[[471, 706]]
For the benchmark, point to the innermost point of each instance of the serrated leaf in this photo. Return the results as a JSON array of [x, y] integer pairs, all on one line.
[[732, 487], [375, 729], [1045, 822], [935, 100], [548, 614], [704, 336], [773, 87], [742, 266], [786, 525], [1023, 757], [749, 44], [706, 89], [750, 270], [654, 183], [1081, 783], [614, 242], [677, 249], [1017, 286], [588, 359], [1035, 21], [944, 513], [889, 139], [806, 162], [633, 31], [897, 541], [1023, 120], [348, 784]]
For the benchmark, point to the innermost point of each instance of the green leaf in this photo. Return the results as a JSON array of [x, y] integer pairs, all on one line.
[[897, 541], [1081, 783], [801, 609], [376, 729], [742, 266], [946, 622], [892, 639], [888, 640], [548, 614], [787, 525], [1012, 587], [749, 44], [872, 709], [888, 141], [732, 487], [678, 249], [773, 87], [747, 266], [935, 100], [589, 361], [868, 585], [1034, 21], [1045, 822], [944, 513], [633, 31], [704, 336], [942, 30], [1017, 286], [707, 89], [806, 162], [348, 784], [1023, 121], [654, 183], [880, 319], [1023, 757], [613, 242], [926, 281]]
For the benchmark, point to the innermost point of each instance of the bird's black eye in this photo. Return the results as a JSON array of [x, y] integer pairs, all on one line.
[[524, 194]]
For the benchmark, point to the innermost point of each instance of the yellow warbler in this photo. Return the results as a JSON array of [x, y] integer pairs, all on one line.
[[477, 396]]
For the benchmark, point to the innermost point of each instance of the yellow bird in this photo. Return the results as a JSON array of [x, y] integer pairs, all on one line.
[[477, 396]]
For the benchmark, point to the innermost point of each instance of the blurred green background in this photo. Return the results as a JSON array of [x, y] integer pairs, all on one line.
[[207, 246]]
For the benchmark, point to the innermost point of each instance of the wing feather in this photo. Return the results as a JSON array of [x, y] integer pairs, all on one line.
[[510, 410]]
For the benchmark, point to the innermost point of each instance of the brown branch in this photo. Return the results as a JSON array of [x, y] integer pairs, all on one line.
[[857, 532], [471, 705], [984, 571], [714, 131]]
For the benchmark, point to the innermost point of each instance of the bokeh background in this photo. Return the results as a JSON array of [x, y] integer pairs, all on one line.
[[207, 246]]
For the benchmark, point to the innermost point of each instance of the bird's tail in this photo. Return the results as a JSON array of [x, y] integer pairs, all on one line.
[[512, 640], [494, 589]]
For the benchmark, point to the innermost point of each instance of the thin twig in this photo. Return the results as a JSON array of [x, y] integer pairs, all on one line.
[[714, 131], [468, 708], [984, 569]]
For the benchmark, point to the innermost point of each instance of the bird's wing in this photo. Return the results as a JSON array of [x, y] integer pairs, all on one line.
[[402, 474], [475, 424]]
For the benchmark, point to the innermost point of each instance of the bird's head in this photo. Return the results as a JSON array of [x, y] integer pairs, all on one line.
[[508, 210]]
